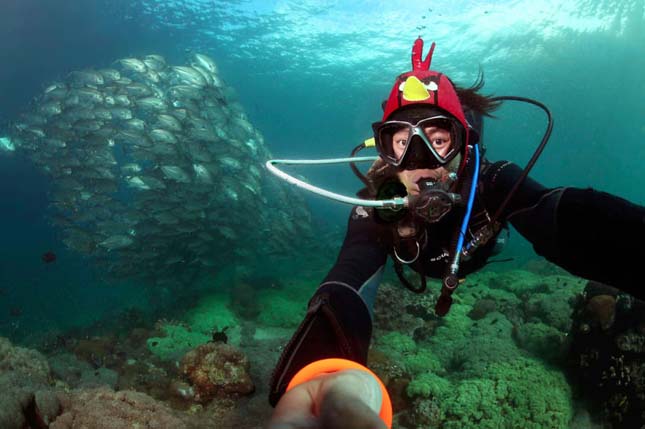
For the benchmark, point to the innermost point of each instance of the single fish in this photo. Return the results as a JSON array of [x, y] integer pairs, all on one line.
[[133, 64], [116, 242], [48, 257], [206, 62], [6, 144], [190, 76], [175, 173]]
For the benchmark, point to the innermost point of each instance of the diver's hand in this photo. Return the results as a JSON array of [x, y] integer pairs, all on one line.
[[348, 399]]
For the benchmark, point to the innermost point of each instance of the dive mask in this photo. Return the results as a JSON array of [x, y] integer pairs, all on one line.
[[442, 136]]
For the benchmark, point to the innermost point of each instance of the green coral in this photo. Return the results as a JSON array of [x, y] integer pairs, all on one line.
[[280, 311], [473, 404], [518, 393], [421, 361], [541, 340], [396, 342], [454, 328], [428, 385], [551, 303], [480, 374], [176, 343], [468, 354], [211, 313]]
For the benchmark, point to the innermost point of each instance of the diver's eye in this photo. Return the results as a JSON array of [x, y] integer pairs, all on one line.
[[439, 142]]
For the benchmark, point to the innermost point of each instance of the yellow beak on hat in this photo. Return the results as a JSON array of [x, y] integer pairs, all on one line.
[[414, 90]]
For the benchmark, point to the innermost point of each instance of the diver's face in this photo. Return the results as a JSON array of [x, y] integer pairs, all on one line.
[[441, 142], [438, 137]]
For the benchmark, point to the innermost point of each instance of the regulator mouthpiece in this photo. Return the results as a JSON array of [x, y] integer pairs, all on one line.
[[433, 203]]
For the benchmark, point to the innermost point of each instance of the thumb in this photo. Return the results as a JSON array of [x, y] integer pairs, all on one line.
[[351, 401]]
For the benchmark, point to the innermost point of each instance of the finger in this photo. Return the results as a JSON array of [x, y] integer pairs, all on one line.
[[341, 410], [351, 399], [295, 410]]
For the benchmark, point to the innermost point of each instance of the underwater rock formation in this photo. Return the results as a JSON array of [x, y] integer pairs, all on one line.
[[26, 399], [607, 355], [102, 408], [217, 370]]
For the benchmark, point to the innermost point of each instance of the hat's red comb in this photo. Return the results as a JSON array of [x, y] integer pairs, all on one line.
[[417, 54]]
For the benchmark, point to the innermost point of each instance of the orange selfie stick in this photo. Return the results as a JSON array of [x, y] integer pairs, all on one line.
[[327, 366]]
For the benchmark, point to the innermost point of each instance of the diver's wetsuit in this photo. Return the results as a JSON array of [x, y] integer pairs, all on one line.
[[591, 234]]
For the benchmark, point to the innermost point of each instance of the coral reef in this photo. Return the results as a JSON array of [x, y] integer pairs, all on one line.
[[541, 340], [26, 399], [486, 363], [102, 408], [177, 340], [21, 360], [518, 393], [397, 309], [607, 354], [212, 312], [217, 370]]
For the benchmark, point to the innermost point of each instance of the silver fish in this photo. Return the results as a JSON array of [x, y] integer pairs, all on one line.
[[102, 114], [116, 242], [87, 125], [162, 136], [151, 103], [124, 81], [121, 113], [87, 77], [56, 92], [155, 62], [7, 145], [205, 74], [189, 75], [138, 90], [153, 182], [87, 95], [122, 100], [184, 91], [206, 62], [54, 143], [165, 218], [133, 137], [78, 113], [168, 122], [153, 76], [135, 124], [131, 168], [137, 183], [110, 74], [51, 108], [133, 64], [202, 174], [175, 173], [230, 164]]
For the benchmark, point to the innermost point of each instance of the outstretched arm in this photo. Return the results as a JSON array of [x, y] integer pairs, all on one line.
[[589, 233], [338, 323]]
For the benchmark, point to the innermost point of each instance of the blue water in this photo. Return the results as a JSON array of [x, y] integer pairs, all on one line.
[[311, 76]]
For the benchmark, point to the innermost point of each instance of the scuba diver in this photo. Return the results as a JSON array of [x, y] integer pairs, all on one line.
[[434, 204]]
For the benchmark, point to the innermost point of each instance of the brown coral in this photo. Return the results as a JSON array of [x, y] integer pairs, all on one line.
[[217, 370], [602, 309], [29, 362], [103, 408]]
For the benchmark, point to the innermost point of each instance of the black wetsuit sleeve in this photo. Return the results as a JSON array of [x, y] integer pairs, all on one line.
[[364, 250], [338, 322], [589, 233]]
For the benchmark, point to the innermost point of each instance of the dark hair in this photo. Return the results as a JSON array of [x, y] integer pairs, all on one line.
[[472, 99]]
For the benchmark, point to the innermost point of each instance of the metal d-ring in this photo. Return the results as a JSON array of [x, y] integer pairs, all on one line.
[[396, 255]]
